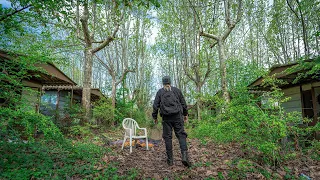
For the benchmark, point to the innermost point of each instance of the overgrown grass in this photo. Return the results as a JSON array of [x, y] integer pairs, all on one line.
[[55, 161]]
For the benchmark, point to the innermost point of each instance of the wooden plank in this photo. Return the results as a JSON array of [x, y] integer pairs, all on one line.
[[293, 97], [292, 104], [306, 87], [293, 90], [293, 109], [315, 84], [29, 83]]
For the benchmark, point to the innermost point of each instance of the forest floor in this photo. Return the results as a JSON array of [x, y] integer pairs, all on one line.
[[97, 156], [209, 161]]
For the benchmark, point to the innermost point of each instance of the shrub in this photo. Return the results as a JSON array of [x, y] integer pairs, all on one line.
[[25, 125], [53, 161], [103, 112], [260, 131], [72, 115]]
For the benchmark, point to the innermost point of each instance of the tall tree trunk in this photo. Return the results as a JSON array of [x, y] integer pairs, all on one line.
[[88, 61], [89, 52], [223, 68], [87, 79]]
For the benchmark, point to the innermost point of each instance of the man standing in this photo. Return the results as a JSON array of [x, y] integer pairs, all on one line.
[[173, 110]]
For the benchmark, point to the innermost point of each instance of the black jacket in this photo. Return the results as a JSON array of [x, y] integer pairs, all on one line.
[[157, 100]]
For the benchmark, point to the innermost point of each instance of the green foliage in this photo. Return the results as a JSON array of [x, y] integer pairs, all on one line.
[[312, 68], [242, 74], [240, 167], [18, 118], [24, 124], [72, 115], [12, 73], [315, 144], [103, 112], [55, 161], [260, 131], [79, 130], [124, 107], [140, 116], [127, 108]]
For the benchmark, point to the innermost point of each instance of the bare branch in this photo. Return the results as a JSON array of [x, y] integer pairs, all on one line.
[[214, 44], [187, 72], [84, 23], [227, 12], [239, 13], [227, 32], [208, 72], [291, 8], [103, 63], [195, 12], [126, 71], [232, 25], [212, 36], [98, 41], [14, 12], [78, 18], [109, 39], [94, 19]]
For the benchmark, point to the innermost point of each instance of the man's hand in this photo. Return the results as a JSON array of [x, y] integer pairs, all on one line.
[[185, 119], [155, 121]]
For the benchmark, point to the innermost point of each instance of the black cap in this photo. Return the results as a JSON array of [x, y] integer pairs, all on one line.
[[166, 80]]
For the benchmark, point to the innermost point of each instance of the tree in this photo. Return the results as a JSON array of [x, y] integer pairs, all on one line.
[[90, 49], [220, 40]]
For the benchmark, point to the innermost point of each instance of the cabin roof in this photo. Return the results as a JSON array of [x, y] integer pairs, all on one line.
[[51, 75], [281, 72]]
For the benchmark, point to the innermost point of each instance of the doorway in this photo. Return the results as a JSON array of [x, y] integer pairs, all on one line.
[[307, 107]]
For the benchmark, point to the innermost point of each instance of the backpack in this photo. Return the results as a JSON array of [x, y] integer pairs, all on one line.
[[169, 104]]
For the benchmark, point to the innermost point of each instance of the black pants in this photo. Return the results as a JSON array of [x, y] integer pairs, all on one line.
[[177, 125]]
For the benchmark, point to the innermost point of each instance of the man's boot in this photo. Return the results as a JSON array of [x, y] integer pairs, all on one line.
[[185, 159], [170, 158]]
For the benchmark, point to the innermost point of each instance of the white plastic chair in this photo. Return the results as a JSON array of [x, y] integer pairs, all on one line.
[[131, 126]]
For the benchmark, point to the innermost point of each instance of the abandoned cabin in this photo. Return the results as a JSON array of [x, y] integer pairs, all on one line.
[[303, 93], [52, 91]]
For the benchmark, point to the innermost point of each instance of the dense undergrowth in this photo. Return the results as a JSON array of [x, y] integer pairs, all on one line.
[[268, 136], [34, 146], [49, 157]]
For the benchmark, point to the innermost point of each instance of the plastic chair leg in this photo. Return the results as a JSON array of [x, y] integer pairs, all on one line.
[[124, 140], [130, 144], [147, 145]]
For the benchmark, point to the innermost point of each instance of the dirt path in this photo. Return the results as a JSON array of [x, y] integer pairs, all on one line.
[[209, 162]]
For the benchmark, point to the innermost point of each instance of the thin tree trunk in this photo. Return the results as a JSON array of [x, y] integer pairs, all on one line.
[[198, 101], [113, 92]]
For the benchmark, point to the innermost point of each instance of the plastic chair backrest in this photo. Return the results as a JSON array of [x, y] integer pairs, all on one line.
[[131, 124]]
